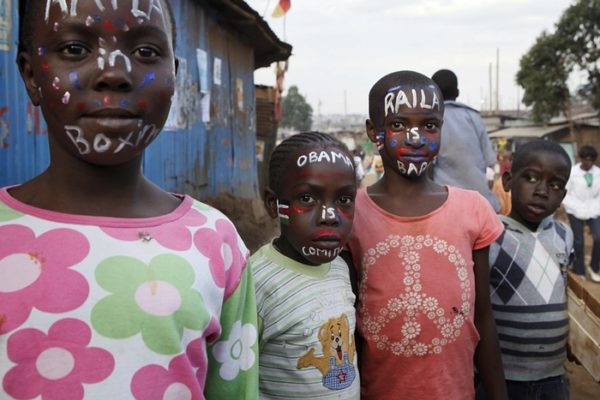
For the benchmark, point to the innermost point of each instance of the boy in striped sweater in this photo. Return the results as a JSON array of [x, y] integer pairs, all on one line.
[[528, 267], [304, 298]]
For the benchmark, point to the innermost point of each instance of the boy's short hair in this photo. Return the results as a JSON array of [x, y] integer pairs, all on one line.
[[588, 151], [282, 152], [539, 145], [409, 78], [27, 7], [447, 82]]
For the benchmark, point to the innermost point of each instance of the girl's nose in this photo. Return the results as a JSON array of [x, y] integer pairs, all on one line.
[[114, 72], [328, 215]]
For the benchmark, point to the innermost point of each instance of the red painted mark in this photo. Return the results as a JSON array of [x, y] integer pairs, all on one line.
[[300, 210], [107, 100], [45, 66], [108, 25], [142, 104], [80, 106], [3, 110], [349, 217]]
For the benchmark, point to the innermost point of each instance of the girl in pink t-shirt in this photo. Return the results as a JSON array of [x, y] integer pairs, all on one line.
[[421, 253]]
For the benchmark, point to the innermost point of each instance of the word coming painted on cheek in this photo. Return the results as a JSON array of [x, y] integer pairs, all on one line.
[[316, 252], [153, 5], [426, 99], [327, 156], [102, 143]]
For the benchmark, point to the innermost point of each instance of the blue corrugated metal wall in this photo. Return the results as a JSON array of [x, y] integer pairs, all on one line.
[[202, 159]]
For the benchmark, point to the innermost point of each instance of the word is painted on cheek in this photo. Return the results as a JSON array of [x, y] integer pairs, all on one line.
[[317, 157], [283, 211], [425, 99], [102, 143], [153, 5], [313, 251]]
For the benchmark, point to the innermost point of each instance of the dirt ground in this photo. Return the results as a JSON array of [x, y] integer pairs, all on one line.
[[257, 228]]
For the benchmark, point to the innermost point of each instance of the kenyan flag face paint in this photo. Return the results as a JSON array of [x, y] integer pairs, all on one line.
[[283, 211]]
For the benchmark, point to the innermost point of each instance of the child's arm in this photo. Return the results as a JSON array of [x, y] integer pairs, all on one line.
[[234, 374], [487, 354]]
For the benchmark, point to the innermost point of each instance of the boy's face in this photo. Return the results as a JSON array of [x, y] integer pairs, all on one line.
[[103, 74], [316, 204], [408, 134], [538, 188]]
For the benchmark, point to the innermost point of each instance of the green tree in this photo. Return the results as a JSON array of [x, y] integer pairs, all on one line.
[[296, 112], [545, 68]]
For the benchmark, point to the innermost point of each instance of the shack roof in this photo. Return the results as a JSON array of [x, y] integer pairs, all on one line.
[[254, 30], [528, 131]]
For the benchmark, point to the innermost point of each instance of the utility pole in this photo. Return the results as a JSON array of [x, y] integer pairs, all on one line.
[[490, 88], [497, 80]]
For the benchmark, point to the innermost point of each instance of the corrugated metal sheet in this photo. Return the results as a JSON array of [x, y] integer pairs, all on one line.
[[528, 131], [202, 159]]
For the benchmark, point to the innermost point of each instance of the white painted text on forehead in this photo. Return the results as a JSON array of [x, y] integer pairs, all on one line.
[[324, 156], [425, 98], [136, 11]]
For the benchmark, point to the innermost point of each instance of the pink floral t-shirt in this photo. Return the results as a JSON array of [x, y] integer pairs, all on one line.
[[417, 296], [107, 308]]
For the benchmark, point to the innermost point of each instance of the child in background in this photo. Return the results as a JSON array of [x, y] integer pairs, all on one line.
[[305, 301], [421, 252], [528, 265], [111, 287]]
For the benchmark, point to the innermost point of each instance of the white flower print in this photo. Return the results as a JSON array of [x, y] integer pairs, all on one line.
[[428, 242], [411, 330], [417, 287], [236, 352], [447, 330], [437, 350], [371, 252], [411, 300], [451, 248], [459, 321], [397, 348], [408, 240], [440, 246], [394, 304], [420, 349], [420, 238], [452, 258], [382, 248], [430, 303], [462, 273], [408, 280], [395, 240]]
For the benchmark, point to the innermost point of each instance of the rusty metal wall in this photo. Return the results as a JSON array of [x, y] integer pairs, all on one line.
[[203, 159]]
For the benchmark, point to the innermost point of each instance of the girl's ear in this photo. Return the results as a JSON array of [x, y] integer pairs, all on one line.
[[506, 180], [270, 199], [26, 70]]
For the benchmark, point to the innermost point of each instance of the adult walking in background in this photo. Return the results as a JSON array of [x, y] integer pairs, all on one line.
[[582, 204], [465, 149]]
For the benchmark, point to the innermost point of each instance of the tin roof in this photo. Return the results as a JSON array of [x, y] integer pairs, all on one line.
[[254, 30]]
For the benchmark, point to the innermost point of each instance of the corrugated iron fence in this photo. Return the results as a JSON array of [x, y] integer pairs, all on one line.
[[208, 145]]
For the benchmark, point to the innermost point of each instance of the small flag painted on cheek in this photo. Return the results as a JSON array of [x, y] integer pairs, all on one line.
[[283, 211]]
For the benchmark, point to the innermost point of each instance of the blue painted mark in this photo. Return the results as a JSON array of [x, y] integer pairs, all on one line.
[[124, 103], [394, 88], [74, 78], [150, 76], [98, 103], [393, 142], [97, 18], [381, 136], [42, 50], [433, 146]]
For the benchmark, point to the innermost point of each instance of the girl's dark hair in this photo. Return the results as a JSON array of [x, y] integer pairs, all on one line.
[[588, 151], [26, 24], [282, 152], [522, 154]]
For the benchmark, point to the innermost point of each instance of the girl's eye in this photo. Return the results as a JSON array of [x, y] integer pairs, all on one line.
[[346, 200], [74, 50], [531, 179], [556, 186], [145, 52], [306, 199], [397, 125]]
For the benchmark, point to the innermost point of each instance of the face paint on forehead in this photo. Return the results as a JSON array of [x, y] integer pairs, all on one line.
[[330, 156], [141, 13], [424, 97]]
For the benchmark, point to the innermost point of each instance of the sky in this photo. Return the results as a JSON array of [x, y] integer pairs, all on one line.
[[342, 47]]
